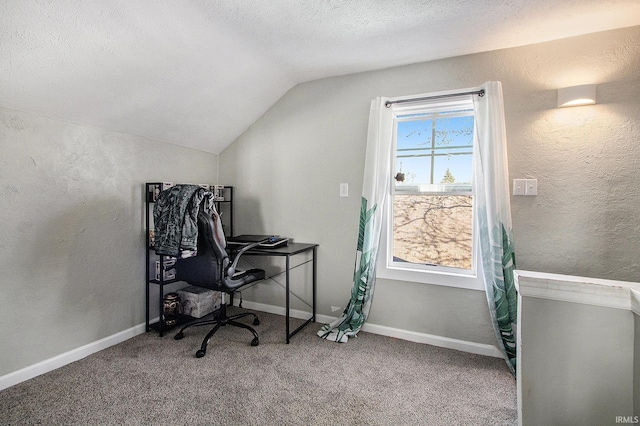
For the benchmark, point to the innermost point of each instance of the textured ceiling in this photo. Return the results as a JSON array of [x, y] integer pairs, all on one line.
[[198, 73]]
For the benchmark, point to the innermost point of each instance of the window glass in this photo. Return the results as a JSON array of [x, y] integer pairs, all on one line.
[[430, 223], [432, 202]]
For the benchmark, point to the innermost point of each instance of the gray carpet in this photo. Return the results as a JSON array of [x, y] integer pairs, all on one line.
[[371, 380]]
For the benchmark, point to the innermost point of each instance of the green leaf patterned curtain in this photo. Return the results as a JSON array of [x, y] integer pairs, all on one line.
[[494, 220], [494, 217], [374, 196]]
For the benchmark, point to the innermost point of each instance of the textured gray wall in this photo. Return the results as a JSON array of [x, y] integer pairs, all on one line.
[[577, 363], [72, 238], [287, 167]]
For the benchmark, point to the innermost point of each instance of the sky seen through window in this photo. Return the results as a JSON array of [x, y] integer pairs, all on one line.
[[448, 146]]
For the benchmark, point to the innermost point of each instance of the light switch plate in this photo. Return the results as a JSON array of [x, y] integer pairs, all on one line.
[[531, 187], [519, 186]]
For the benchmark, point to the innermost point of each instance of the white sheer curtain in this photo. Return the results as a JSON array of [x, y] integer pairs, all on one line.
[[494, 219], [374, 196], [494, 216]]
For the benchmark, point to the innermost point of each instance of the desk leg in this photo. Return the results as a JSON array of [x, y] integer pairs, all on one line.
[[313, 287], [313, 298], [287, 292]]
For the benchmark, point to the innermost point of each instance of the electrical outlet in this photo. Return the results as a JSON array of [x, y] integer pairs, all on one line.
[[344, 189]]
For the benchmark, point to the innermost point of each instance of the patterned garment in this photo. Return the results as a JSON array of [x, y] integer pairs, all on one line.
[[175, 218]]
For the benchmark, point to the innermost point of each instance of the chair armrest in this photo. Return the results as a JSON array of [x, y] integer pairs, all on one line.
[[231, 269]]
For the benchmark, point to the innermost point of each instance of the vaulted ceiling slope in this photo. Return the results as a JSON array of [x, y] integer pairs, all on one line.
[[197, 73]]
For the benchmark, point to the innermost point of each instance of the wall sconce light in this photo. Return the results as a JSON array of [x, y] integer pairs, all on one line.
[[577, 95]]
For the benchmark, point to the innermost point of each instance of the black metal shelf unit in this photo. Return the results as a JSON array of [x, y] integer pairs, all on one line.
[[155, 264]]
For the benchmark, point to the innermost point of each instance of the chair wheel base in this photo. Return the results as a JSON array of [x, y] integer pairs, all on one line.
[[200, 353], [179, 336], [255, 341]]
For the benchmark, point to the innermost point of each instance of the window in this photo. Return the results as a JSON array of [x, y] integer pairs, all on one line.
[[429, 230]]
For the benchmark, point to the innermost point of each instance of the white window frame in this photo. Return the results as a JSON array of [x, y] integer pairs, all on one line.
[[426, 274]]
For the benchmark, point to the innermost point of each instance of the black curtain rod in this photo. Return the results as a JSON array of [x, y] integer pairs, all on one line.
[[449, 95]]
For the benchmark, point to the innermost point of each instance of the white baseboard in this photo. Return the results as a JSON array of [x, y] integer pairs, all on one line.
[[86, 350], [73, 355], [271, 309], [412, 336], [433, 340]]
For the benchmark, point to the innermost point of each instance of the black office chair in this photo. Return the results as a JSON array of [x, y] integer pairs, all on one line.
[[211, 268]]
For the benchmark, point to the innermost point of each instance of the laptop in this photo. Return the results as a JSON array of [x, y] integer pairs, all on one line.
[[266, 241]]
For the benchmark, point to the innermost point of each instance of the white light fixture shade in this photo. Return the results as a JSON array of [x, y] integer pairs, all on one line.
[[577, 95]]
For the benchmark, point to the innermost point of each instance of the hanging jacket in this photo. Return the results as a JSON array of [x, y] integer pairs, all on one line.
[[175, 217]]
